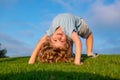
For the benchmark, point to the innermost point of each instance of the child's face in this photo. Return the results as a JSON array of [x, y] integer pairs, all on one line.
[[58, 38]]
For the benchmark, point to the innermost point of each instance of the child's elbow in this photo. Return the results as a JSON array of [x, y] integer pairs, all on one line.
[[78, 42]]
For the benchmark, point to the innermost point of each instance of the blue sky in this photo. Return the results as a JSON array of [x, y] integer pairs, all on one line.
[[24, 22]]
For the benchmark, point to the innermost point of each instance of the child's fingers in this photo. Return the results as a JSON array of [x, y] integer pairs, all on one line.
[[78, 63], [81, 63]]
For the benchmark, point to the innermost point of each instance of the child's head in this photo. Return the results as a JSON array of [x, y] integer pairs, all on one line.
[[52, 53], [58, 38]]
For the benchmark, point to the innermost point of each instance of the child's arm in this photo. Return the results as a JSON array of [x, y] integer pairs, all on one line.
[[78, 47], [35, 51]]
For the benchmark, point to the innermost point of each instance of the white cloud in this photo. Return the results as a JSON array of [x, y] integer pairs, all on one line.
[[106, 45], [106, 14], [64, 4], [15, 47], [27, 33]]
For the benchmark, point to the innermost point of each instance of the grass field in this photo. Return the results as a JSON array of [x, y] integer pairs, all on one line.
[[104, 67]]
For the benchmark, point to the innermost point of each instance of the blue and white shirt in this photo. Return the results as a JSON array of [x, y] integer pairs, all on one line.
[[67, 22]]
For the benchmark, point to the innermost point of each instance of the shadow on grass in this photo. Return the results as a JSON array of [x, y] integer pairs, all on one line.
[[53, 75], [84, 57]]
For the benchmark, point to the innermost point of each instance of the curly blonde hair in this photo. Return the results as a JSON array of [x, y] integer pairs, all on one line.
[[49, 53]]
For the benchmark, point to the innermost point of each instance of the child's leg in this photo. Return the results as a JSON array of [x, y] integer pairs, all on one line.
[[86, 33], [89, 44]]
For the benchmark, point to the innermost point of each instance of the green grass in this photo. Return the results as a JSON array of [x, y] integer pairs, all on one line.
[[104, 67]]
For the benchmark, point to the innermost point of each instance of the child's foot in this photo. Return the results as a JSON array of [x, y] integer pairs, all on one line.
[[93, 55]]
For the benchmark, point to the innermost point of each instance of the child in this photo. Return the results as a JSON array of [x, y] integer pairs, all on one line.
[[66, 27]]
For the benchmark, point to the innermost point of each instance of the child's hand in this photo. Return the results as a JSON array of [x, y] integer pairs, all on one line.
[[81, 63], [78, 63]]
